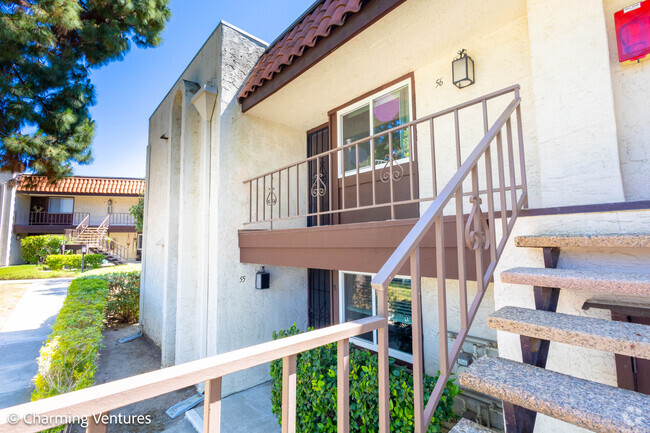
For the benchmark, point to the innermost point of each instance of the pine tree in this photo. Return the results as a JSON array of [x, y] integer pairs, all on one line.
[[47, 50]]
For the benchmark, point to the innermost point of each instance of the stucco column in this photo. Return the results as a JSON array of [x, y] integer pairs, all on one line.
[[574, 103], [188, 300], [204, 101], [6, 219]]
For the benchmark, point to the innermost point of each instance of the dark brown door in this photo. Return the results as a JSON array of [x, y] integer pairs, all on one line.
[[38, 210], [632, 373], [320, 298], [319, 194]]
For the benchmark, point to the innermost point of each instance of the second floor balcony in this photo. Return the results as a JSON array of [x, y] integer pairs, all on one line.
[[58, 222]]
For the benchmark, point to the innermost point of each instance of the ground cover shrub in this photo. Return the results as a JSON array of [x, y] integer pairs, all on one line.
[[35, 249], [68, 360], [73, 261], [123, 304], [316, 392]]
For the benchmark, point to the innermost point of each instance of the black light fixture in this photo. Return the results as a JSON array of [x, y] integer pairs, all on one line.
[[462, 69], [262, 280]]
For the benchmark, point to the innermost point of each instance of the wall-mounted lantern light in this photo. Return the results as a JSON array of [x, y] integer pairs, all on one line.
[[462, 69], [262, 280], [110, 206]]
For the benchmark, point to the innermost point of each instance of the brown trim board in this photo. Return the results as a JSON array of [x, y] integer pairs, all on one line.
[[360, 247], [372, 11]]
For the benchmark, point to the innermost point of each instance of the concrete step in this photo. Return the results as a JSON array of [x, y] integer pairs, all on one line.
[[630, 339], [633, 240], [467, 426], [594, 406], [581, 279]]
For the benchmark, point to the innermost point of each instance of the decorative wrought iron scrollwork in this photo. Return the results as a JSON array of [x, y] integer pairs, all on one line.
[[385, 174], [318, 186], [271, 198], [479, 237]]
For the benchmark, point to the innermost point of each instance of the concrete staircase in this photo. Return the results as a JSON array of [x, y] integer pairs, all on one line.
[[527, 387], [99, 243]]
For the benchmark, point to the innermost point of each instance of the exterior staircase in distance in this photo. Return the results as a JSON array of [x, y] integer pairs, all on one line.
[[99, 243], [527, 388]]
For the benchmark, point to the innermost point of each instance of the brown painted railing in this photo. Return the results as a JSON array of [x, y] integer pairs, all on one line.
[[481, 231], [283, 194], [98, 400], [113, 247], [49, 218], [122, 219]]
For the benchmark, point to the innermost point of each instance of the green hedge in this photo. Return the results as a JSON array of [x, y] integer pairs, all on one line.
[[68, 359], [73, 261], [124, 292], [35, 249], [316, 392]]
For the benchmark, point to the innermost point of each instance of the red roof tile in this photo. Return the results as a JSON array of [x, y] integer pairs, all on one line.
[[82, 185], [314, 26]]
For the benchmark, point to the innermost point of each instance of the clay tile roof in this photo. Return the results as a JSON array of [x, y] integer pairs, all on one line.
[[315, 25], [82, 185]]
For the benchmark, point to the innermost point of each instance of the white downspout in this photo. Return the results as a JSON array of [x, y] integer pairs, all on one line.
[[205, 102]]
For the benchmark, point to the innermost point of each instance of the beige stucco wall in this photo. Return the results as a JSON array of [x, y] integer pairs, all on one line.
[[578, 150], [631, 96], [197, 299]]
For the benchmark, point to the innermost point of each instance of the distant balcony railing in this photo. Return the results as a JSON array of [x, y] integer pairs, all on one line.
[[121, 219], [50, 218]]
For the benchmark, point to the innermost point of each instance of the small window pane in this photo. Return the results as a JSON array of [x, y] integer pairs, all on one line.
[[356, 125], [61, 205], [391, 110], [357, 299], [399, 315]]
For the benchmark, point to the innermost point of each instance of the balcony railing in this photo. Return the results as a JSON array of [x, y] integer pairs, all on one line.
[[121, 219], [49, 218], [94, 402], [289, 192]]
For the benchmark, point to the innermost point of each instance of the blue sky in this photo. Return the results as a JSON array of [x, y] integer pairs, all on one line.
[[129, 91]]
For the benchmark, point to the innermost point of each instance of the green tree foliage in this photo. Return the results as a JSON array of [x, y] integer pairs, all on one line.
[[35, 249], [137, 211], [47, 51], [316, 392]]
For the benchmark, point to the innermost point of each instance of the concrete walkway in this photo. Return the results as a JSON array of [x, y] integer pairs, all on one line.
[[23, 334], [247, 411]]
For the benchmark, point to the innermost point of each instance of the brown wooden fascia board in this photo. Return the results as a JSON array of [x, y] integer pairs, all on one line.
[[355, 24]]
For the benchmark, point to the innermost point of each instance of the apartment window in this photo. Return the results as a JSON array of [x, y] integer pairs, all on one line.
[[385, 110], [359, 300], [60, 205]]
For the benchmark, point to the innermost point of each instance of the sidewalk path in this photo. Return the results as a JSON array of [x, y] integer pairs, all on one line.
[[22, 336]]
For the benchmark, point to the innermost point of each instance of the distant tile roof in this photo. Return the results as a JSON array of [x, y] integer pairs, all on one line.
[[315, 25], [82, 185]]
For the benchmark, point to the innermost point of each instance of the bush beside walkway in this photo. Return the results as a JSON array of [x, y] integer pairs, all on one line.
[[69, 358]]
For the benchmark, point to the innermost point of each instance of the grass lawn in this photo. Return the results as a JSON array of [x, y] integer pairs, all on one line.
[[30, 272], [10, 294]]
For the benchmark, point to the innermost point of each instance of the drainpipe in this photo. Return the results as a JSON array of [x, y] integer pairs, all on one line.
[[205, 101]]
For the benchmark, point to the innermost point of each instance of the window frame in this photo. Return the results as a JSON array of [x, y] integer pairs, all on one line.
[[397, 354], [367, 100]]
